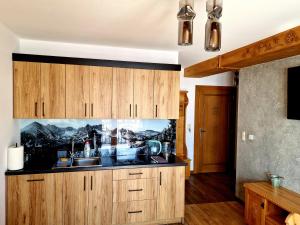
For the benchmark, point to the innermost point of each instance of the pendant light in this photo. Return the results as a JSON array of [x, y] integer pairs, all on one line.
[[185, 18], [213, 28]]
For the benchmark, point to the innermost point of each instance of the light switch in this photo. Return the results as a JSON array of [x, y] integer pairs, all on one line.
[[244, 136], [251, 137]]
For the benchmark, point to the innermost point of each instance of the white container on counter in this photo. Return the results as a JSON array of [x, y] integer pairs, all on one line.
[[15, 158]]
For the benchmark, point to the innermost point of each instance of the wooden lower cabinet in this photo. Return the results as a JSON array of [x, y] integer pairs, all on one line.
[[104, 197], [170, 201], [88, 198], [255, 209], [35, 199]]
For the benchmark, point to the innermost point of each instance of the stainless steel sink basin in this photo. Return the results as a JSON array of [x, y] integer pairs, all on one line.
[[78, 162]]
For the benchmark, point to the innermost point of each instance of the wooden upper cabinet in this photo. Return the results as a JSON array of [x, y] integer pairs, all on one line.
[[53, 90], [122, 93], [143, 94], [170, 202], [166, 95], [27, 80], [77, 91], [35, 199], [101, 83]]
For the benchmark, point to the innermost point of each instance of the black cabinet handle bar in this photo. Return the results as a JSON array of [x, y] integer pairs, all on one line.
[[35, 180], [131, 212], [133, 190]]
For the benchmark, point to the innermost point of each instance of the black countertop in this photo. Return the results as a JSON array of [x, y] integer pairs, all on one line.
[[108, 163]]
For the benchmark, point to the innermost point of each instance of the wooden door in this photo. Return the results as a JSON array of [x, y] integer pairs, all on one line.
[[213, 128], [100, 198], [75, 201], [27, 82], [122, 93], [53, 90], [101, 92], [143, 94], [254, 209], [77, 91], [166, 94], [170, 201], [34, 199]]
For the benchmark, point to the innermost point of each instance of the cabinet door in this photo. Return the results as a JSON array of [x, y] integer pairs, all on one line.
[[122, 93], [53, 90], [34, 199], [166, 95], [255, 210], [77, 91], [75, 199], [101, 92], [170, 202], [27, 81], [100, 198], [143, 94]]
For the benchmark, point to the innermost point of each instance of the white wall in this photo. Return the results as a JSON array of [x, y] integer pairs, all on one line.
[[189, 84], [9, 131], [96, 51]]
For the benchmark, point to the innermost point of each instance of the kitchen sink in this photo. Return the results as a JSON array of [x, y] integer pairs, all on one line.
[[78, 162]]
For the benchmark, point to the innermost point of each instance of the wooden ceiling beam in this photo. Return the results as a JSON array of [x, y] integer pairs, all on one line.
[[282, 45]]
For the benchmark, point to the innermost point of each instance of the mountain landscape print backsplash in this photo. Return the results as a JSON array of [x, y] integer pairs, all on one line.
[[43, 139]]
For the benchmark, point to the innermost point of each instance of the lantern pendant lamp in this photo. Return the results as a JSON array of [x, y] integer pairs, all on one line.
[[213, 28], [185, 18]]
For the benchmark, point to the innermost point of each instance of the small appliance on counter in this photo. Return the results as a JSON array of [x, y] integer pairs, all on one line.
[[154, 147], [15, 157]]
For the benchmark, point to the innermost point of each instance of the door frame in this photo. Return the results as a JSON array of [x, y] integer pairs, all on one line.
[[202, 89]]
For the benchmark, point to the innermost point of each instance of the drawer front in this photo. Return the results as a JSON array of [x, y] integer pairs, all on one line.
[[133, 190], [134, 212], [138, 173]]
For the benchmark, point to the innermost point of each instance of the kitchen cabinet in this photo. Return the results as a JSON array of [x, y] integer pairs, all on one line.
[[170, 200], [77, 91], [122, 93], [101, 85], [143, 94], [53, 90], [255, 209], [166, 94], [27, 79], [39, 90], [88, 198], [35, 199]]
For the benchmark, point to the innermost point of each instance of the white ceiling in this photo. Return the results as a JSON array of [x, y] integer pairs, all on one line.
[[149, 24]]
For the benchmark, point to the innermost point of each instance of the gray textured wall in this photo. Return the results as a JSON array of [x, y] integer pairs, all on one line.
[[262, 111]]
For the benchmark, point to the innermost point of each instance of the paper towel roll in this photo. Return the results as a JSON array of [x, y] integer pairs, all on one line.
[[15, 158]]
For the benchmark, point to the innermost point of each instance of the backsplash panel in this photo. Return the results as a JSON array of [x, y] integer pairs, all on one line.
[[43, 138]]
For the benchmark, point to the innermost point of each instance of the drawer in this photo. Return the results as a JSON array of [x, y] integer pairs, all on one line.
[[137, 173], [134, 212], [133, 190]]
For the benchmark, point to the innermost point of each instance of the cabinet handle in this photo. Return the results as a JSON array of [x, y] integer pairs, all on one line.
[[135, 110], [132, 174], [135, 190], [91, 183], [36, 180], [160, 178], [43, 108], [131, 212], [130, 110], [156, 111], [85, 106], [92, 110], [35, 109], [84, 183], [262, 205]]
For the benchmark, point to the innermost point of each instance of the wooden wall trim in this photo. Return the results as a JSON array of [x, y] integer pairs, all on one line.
[[94, 62], [279, 46]]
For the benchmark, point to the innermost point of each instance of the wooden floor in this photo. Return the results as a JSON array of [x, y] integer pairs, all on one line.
[[210, 200]]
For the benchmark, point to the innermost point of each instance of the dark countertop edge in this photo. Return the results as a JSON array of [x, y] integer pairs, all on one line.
[[94, 62], [92, 168]]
